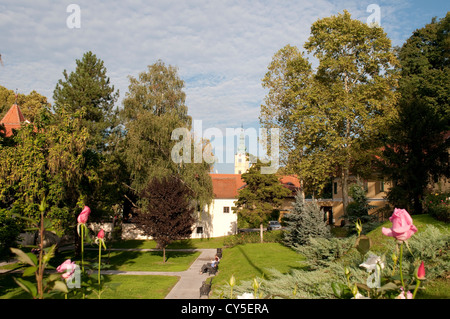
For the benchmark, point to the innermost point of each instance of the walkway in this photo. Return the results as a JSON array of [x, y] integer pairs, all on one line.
[[188, 286]]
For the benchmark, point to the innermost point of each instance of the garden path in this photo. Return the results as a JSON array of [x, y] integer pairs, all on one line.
[[188, 286]]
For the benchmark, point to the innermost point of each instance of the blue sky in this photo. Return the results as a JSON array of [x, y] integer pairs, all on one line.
[[221, 48]]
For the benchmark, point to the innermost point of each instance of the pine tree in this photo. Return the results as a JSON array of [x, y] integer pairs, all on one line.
[[304, 221]]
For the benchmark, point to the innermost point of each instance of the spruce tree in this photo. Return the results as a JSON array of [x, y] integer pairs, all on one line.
[[305, 220]]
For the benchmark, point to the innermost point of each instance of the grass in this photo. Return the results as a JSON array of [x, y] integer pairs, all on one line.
[[136, 260], [248, 261], [138, 287], [126, 287]]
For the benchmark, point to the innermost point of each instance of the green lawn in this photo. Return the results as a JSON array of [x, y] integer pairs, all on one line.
[[138, 287], [255, 260], [136, 260]]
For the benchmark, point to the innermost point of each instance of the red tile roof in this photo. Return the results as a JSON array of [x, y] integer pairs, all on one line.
[[226, 186], [12, 119]]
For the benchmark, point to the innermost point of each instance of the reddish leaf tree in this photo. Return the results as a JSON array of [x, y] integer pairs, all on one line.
[[166, 212]]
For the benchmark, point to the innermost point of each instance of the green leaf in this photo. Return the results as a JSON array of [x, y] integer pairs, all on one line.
[[29, 271], [49, 253], [363, 244], [60, 286], [25, 258], [337, 289], [27, 286], [388, 286]]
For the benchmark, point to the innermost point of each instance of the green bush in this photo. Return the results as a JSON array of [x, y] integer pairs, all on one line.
[[273, 236], [438, 206], [10, 228]]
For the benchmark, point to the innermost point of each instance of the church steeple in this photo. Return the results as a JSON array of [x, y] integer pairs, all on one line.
[[240, 159], [241, 147]]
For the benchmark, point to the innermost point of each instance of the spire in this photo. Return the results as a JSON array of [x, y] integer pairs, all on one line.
[[241, 147]]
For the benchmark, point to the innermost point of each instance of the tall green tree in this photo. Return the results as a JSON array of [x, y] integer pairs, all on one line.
[[154, 107], [416, 145], [262, 194], [304, 221], [89, 87], [341, 104], [46, 159]]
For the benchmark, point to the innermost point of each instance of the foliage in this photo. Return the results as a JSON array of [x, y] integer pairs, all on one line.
[[86, 93], [331, 115], [329, 259], [262, 194], [321, 252], [438, 206], [30, 105], [88, 87], [37, 265], [415, 145], [304, 221], [359, 208], [154, 107], [10, 228], [252, 237], [167, 213], [46, 159]]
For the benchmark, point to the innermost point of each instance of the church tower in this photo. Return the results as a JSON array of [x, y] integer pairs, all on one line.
[[241, 164]]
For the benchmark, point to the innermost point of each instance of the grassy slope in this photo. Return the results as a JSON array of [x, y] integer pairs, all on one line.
[[255, 260]]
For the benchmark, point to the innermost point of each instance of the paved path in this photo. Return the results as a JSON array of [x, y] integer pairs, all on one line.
[[188, 286]]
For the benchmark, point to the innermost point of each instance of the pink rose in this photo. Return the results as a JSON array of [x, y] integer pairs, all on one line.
[[83, 217], [402, 225], [68, 268], [421, 271], [101, 234]]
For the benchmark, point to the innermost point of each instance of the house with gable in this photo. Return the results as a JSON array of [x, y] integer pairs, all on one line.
[[13, 120]]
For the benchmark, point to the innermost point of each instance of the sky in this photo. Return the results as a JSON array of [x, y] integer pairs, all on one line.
[[221, 48]]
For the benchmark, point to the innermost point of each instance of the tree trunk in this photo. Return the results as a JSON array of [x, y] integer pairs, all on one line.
[[164, 254], [261, 232], [344, 186]]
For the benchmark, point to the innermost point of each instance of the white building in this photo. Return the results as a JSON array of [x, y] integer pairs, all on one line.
[[218, 219]]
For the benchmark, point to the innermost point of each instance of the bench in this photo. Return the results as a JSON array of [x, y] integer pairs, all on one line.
[[213, 270], [205, 288]]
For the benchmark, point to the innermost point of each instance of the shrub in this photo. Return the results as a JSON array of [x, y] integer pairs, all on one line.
[[321, 252], [438, 206], [305, 221], [253, 237], [359, 208], [9, 231]]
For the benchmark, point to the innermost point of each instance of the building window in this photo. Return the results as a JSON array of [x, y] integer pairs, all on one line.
[[226, 209], [382, 186], [335, 188], [199, 230]]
